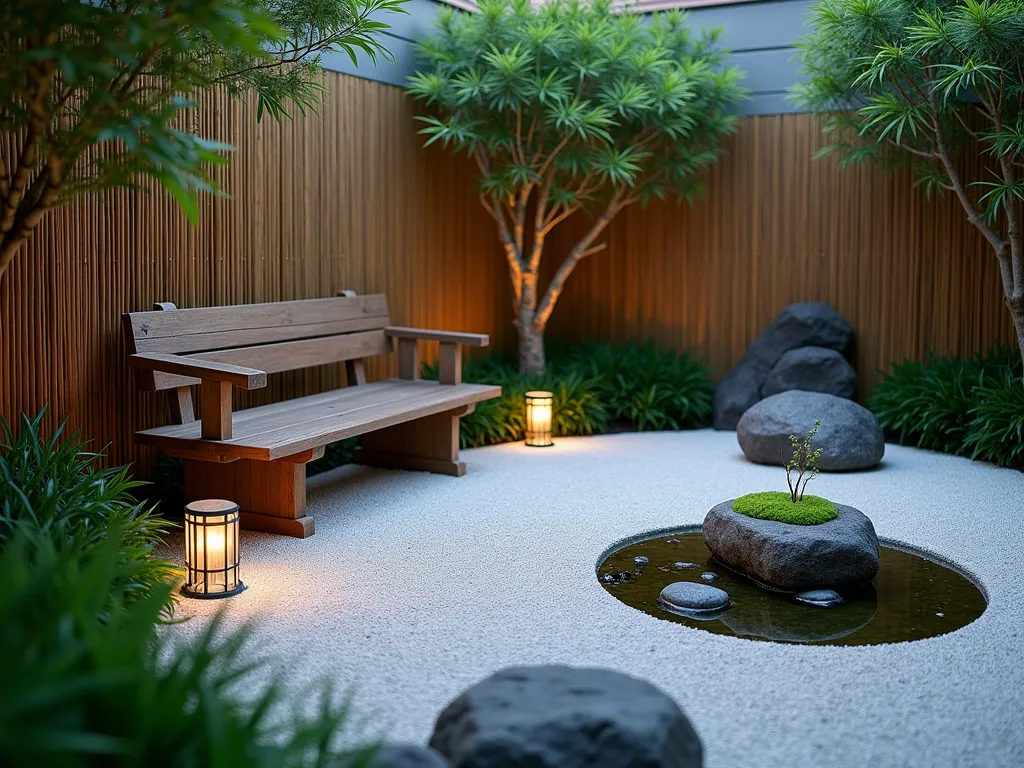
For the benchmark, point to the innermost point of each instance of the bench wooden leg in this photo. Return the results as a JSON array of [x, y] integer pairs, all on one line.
[[271, 494], [430, 444]]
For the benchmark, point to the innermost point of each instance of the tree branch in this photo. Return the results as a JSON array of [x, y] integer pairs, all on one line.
[[579, 251]]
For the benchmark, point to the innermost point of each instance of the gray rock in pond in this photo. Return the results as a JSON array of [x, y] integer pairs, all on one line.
[[565, 717], [808, 323], [686, 566], [641, 560], [823, 598], [397, 756], [839, 554], [688, 597], [849, 436], [709, 576], [813, 369]]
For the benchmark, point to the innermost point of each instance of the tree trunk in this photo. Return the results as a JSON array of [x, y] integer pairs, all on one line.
[[1017, 313], [531, 349]]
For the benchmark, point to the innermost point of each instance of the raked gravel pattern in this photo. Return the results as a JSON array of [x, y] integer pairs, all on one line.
[[416, 585]]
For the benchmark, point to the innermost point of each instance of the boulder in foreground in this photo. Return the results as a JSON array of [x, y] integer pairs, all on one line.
[[565, 717]]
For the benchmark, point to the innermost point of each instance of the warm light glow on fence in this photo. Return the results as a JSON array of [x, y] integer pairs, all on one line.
[[538, 419], [211, 549]]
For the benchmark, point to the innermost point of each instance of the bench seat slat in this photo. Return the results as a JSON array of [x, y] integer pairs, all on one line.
[[274, 431]]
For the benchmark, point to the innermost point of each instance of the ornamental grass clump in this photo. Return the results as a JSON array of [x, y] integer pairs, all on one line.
[[52, 486]]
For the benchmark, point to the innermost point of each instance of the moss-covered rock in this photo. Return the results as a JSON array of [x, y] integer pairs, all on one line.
[[778, 506]]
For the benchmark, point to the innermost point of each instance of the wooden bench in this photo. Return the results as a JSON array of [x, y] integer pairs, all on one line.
[[257, 457]]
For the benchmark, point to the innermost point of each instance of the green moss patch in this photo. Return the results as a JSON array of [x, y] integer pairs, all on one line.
[[777, 506]]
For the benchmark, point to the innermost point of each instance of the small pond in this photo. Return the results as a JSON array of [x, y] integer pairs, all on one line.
[[911, 598]]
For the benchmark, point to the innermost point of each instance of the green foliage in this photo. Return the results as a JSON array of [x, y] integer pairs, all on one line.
[[803, 461], [51, 485], [594, 385], [566, 106], [100, 94], [89, 680], [577, 408], [572, 87], [967, 406], [646, 386], [780, 507], [996, 431], [916, 75], [919, 82]]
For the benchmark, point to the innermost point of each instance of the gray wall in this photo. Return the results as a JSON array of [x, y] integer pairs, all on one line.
[[760, 36]]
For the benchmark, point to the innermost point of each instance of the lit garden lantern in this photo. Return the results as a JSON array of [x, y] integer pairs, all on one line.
[[538, 419], [211, 549]]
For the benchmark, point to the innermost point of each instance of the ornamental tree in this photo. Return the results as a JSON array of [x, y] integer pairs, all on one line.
[[571, 108], [923, 82], [95, 93]]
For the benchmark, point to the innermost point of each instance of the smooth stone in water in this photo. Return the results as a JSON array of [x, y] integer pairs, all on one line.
[[686, 566], [709, 576], [688, 597], [824, 598], [641, 560], [565, 717]]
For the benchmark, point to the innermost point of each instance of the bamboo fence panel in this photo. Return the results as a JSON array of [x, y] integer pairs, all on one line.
[[351, 200], [346, 201], [910, 274]]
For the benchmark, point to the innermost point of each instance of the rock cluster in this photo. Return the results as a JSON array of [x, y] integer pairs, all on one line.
[[801, 349]]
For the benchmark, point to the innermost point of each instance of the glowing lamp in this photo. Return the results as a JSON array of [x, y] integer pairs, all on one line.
[[538, 419], [211, 549]]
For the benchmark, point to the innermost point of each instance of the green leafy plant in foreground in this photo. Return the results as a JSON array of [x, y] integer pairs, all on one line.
[[90, 680], [52, 486]]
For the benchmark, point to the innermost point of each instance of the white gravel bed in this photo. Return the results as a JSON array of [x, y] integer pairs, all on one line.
[[416, 585]]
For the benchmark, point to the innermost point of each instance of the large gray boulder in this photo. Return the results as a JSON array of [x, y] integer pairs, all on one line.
[[814, 369], [849, 436], [808, 323], [564, 717], [840, 554]]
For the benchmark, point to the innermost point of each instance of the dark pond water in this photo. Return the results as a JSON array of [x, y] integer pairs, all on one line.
[[911, 598]]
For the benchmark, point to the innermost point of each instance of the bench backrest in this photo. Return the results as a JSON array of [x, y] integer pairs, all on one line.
[[273, 337]]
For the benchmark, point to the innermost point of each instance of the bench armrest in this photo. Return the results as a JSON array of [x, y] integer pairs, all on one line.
[[449, 361], [469, 339], [240, 376], [217, 380]]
